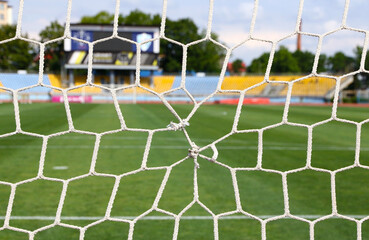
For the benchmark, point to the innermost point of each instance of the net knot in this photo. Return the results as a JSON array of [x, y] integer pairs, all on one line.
[[178, 126], [194, 151]]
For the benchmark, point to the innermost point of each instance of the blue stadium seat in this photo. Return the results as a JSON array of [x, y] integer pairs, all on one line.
[[17, 81], [198, 86]]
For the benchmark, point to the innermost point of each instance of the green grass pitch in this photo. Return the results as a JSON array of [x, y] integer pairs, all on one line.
[[284, 148]]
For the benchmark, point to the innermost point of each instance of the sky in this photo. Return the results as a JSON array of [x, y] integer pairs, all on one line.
[[231, 20]]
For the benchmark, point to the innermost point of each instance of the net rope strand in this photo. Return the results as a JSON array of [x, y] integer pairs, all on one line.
[[180, 125]]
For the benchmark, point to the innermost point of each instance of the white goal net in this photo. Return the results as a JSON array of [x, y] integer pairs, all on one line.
[[208, 152]]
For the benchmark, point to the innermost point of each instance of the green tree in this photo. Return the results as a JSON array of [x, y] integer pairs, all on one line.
[[259, 65], [284, 62], [305, 60], [102, 17], [322, 63], [137, 17], [238, 65], [54, 53], [204, 56], [16, 54], [339, 63], [361, 80], [358, 51]]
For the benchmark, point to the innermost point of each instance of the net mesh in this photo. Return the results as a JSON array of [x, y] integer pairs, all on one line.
[[180, 125]]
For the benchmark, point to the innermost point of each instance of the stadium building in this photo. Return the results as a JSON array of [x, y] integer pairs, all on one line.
[[114, 64], [6, 13], [116, 57]]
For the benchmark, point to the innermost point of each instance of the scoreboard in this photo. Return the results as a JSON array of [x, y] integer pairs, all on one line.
[[113, 51]]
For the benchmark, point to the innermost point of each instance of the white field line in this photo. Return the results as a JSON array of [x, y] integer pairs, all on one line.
[[173, 139], [91, 218], [302, 148], [60, 167]]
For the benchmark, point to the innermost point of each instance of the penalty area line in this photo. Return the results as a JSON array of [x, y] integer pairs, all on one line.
[[303, 148]]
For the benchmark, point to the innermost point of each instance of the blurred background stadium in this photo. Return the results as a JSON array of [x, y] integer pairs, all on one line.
[[114, 62], [164, 81]]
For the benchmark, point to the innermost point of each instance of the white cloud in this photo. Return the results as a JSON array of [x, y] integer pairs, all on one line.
[[317, 13], [245, 10], [330, 25]]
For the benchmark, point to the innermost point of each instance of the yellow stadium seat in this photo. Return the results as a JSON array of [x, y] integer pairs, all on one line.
[[242, 83], [55, 80], [314, 86], [1, 85], [163, 83]]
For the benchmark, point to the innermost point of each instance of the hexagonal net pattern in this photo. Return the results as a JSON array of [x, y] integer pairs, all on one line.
[[194, 152]]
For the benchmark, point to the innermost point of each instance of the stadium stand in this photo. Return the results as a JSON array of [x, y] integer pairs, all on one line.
[[312, 87], [55, 80], [197, 86], [315, 87], [308, 87], [240, 83], [4, 95], [163, 83], [1, 85], [244, 82], [18, 81], [103, 80], [287, 78]]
